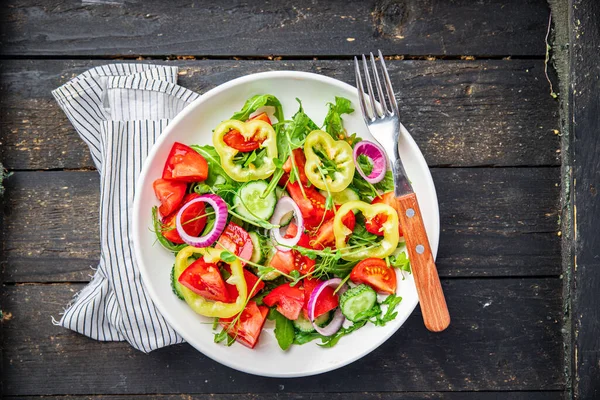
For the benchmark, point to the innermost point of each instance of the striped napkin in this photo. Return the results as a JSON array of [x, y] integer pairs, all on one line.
[[119, 110]]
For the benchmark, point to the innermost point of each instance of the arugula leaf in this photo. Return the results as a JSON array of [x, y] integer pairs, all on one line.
[[400, 261], [390, 314], [256, 102], [327, 341], [386, 184], [333, 119], [224, 336], [365, 164], [284, 330]]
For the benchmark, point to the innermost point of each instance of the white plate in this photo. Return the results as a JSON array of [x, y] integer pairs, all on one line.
[[194, 126]]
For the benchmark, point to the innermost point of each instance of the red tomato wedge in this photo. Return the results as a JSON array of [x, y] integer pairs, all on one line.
[[300, 161], [289, 300], [251, 280], [185, 164], [236, 140], [292, 230], [190, 221], [205, 279], [248, 328], [235, 239], [170, 194], [312, 206], [325, 237], [287, 261], [374, 225], [327, 300], [375, 273]]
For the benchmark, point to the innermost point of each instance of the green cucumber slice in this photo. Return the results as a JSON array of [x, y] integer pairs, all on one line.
[[175, 285], [250, 204], [344, 196], [304, 325], [257, 248], [359, 299]]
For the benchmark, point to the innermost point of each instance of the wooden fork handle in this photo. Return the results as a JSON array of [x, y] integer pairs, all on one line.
[[431, 296]]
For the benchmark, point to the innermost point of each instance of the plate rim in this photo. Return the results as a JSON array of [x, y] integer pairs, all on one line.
[[136, 240]]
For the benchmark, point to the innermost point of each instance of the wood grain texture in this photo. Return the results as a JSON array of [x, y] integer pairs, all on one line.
[[510, 230], [461, 113], [544, 395], [306, 28], [585, 130], [505, 335], [431, 295]]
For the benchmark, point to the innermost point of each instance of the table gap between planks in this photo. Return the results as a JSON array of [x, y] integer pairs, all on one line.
[[472, 91]]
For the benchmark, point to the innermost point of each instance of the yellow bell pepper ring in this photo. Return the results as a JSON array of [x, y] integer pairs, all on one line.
[[199, 304], [369, 211], [329, 163], [256, 130]]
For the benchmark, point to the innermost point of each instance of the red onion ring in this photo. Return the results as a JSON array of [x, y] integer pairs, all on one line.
[[284, 206], [378, 157], [338, 318], [220, 208]]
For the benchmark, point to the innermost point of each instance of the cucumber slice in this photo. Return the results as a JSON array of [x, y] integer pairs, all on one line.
[[344, 196], [359, 299], [250, 204], [304, 325], [175, 285], [257, 248]]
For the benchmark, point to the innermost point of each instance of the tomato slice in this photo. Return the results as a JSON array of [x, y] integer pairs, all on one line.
[[292, 230], [287, 261], [185, 164], [300, 161], [325, 237], [374, 225], [170, 194], [289, 300], [248, 328], [205, 279], [327, 300], [375, 273], [250, 279], [312, 206], [235, 239], [189, 219], [236, 140]]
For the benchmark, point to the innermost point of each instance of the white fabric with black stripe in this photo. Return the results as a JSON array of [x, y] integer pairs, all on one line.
[[119, 110]]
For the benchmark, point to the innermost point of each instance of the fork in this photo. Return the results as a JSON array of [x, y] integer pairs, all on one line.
[[384, 124]]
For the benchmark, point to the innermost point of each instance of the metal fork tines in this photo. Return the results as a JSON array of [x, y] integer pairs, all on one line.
[[381, 115]]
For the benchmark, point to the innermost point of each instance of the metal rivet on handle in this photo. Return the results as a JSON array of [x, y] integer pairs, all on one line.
[[410, 213], [420, 248]]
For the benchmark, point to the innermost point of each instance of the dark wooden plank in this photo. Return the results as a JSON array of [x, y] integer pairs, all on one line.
[[51, 223], [584, 121], [505, 335], [293, 28], [546, 395], [461, 113]]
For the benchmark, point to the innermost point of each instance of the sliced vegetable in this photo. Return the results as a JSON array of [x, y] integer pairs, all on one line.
[[327, 301], [205, 279], [338, 317], [193, 220], [235, 239], [185, 164], [297, 164], [175, 285], [304, 325], [289, 300], [390, 199], [250, 279], [258, 251], [389, 228], [170, 194], [248, 327], [342, 197], [220, 210], [325, 237], [250, 203], [288, 261], [198, 303], [311, 204], [357, 300], [375, 273], [329, 162], [376, 155], [256, 130], [284, 206], [237, 141]]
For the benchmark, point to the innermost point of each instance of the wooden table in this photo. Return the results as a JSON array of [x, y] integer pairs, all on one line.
[[473, 92]]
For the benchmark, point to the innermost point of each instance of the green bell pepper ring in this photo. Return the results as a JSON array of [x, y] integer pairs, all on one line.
[[369, 211], [199, 304], [333, 173], [251, 130]]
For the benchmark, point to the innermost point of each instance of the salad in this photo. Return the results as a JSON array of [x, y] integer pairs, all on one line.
[[282, 220]]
